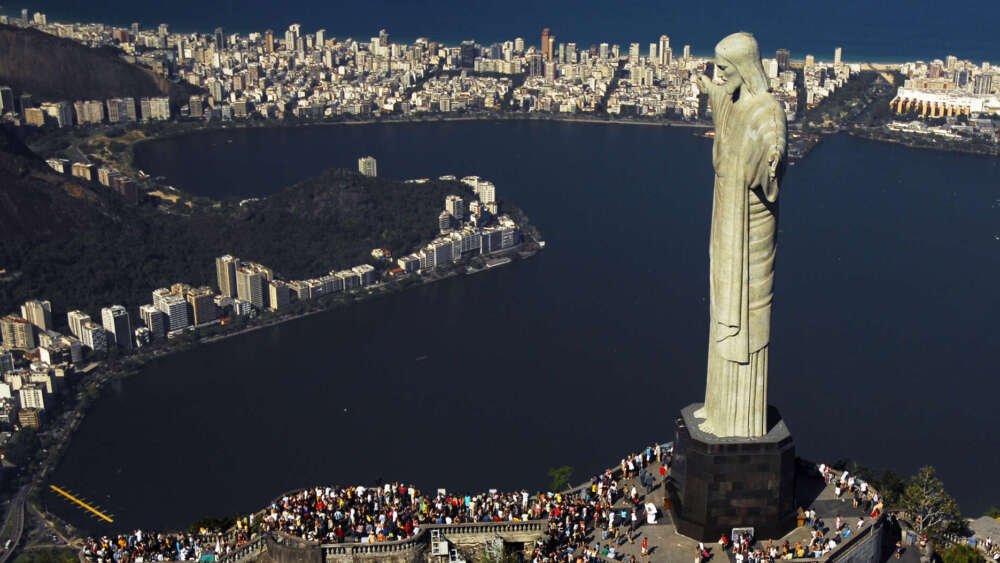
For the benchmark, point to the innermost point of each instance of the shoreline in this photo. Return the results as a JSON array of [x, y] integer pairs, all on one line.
[[134, 365]]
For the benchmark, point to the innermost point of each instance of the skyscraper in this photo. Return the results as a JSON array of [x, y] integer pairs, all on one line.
[[38, 313], [220, 39], [116, 321], [225, 272], [665, 53], [320, 38], [784, 58], [836, 55], [633, 53], [546, 53], [603, 51], [269, 41]]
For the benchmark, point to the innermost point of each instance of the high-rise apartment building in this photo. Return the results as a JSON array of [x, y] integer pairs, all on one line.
[[225, 272], [38, 313], [665, 53], [486, 191], [195, 106], [32, 396], [368, 166], [251, 284], [89, 111], [76, 320], [983, 84], [201, 302], [784, 58], [93, 336], [633, 53], [280, 294], [17, 333], [454, 205], [175, 307], [269, 41], [155, 320], [837, 53], [116, 321]]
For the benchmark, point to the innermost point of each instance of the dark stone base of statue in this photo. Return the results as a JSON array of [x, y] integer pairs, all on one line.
[[717, 484]]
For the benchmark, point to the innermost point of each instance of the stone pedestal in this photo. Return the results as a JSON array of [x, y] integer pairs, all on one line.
[[717, 484]]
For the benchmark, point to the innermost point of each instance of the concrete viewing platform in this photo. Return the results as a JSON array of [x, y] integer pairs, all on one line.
[[812, 493]]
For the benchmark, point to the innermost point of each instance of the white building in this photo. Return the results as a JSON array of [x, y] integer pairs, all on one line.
[[32, 397], [93, 336], [155, 320], [368, 166], [116, 321], [175, 308]]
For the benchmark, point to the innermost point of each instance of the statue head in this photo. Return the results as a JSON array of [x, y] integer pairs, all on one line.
[[738, 57]]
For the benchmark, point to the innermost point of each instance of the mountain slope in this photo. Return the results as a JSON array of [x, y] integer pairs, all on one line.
[[55, 68], [79, 245]]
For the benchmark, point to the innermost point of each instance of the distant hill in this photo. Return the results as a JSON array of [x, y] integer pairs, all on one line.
[[37, 204], [79, 245], [55, 68]]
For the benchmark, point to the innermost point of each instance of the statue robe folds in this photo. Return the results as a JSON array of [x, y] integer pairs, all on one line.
[[748, 132]]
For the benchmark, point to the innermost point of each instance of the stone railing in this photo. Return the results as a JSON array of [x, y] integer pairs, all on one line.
[[288, 548], [249, 550]]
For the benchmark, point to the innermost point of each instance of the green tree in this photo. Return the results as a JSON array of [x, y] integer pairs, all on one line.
[[929, 505], [560, 478], [23, 447], [961, 553], [993, 512]]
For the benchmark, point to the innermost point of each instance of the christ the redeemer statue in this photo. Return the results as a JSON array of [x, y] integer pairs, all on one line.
[[748, 157]]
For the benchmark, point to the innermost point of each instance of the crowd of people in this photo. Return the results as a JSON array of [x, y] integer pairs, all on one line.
[[140, 546], [605, 508]]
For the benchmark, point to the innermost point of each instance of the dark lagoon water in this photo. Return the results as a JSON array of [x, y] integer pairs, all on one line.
[[883, 346]]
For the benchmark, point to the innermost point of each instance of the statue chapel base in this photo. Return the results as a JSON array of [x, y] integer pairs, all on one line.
[[717, 484]]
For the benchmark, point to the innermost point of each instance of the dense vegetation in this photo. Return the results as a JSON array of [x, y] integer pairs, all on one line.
[[54, 68], [109, 252]]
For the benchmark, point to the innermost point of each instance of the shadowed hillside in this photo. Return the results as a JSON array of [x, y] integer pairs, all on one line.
[[80, 245], [54, 68]]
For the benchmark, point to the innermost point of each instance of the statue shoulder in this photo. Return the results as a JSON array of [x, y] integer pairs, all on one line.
[[766, 102]]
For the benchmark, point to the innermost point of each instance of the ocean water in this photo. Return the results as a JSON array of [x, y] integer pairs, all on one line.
[[867, 31]]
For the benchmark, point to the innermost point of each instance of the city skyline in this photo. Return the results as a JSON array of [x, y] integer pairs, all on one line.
[[875, 37]]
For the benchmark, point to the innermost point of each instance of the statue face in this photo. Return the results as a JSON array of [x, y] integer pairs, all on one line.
[[730, 75]]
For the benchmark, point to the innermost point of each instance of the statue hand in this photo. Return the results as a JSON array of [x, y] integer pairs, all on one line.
[[773, 159]]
